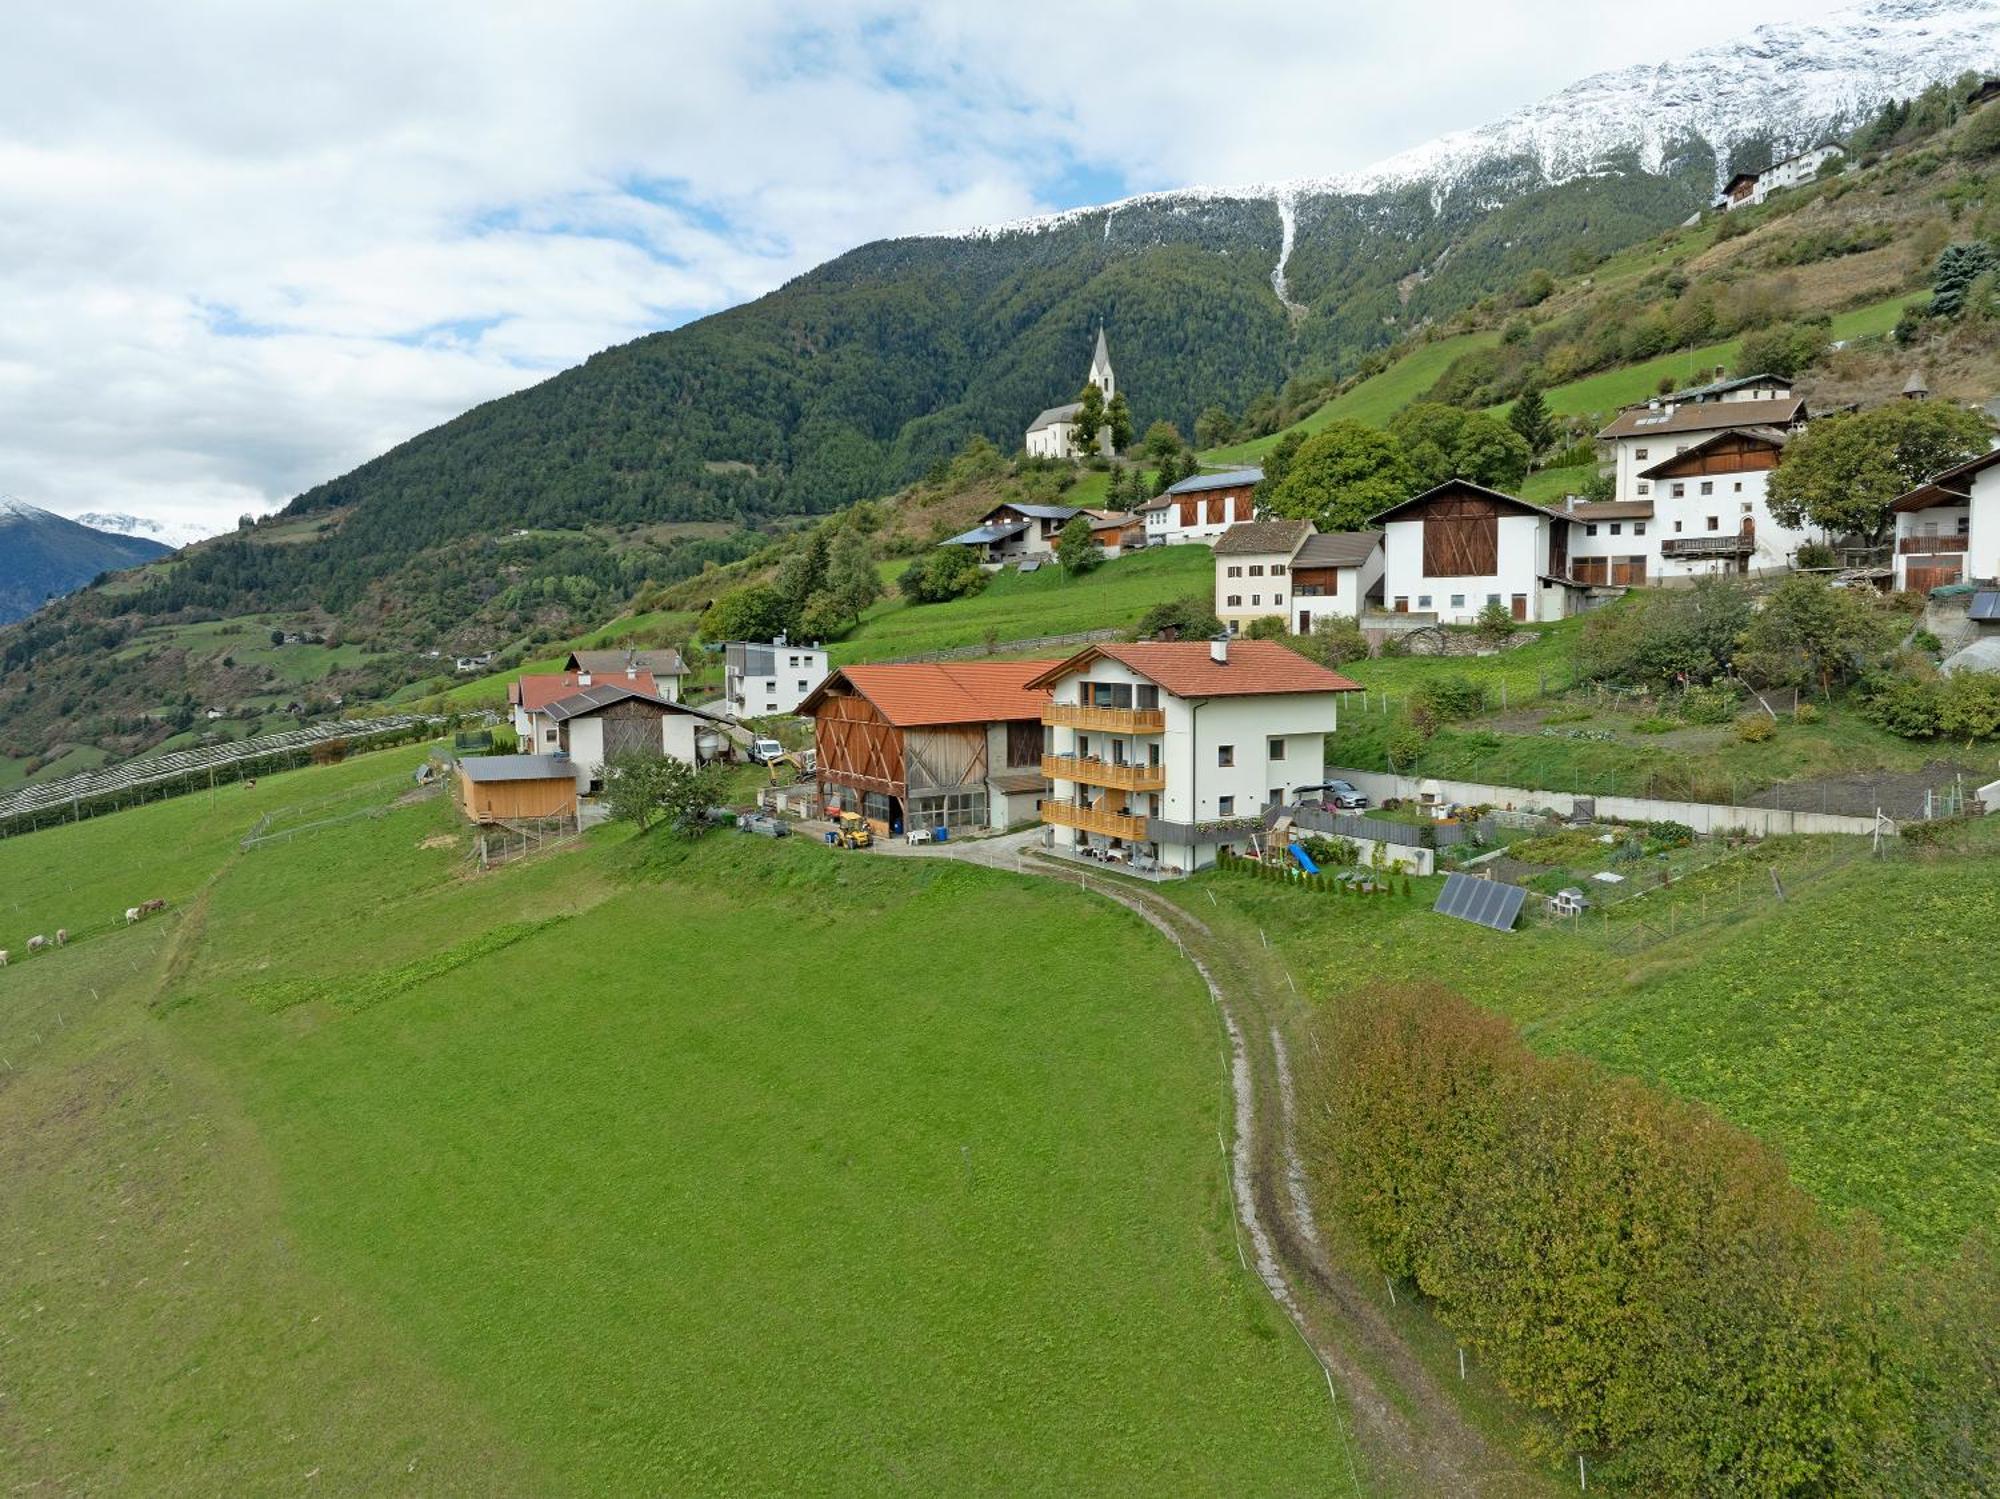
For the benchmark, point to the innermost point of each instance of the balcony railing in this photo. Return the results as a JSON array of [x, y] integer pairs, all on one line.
[[1105, 720], [1924, 546], [1094, 820], [1708, 546], [1104, 773]]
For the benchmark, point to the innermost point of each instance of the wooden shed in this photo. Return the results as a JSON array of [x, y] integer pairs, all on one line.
[[498, 788]]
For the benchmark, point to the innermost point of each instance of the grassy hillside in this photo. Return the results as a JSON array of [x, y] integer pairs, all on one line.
[[626, 1170], [1837, 1025]]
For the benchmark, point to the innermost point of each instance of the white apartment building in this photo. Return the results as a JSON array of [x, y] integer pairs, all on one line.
[[1454, 549], [1643, 436], [1290, 570], [1755, 187], [1163, 752], [1948, 528], [760, 679], [1202, 507]]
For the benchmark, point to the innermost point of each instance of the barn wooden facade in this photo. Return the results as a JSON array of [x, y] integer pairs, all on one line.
[[1461, 547], [930, 744], [516, 788]]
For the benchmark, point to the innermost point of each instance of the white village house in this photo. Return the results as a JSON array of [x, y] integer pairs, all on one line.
[[1691, 472], [664, 664], [1290, 570], [588, 719], [1053, 433], [1948, 528], [1754, 187], [760, 679], [1201, 507], [1163, 752], [1454, 549]]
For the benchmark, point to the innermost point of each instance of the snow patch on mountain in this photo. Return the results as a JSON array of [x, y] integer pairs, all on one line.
[[1789, 83], [167, 533]]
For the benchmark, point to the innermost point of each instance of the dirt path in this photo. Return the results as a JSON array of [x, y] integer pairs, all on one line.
[[1412, 1434]]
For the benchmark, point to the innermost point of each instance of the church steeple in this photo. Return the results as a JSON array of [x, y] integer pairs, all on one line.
[[1100, 367]]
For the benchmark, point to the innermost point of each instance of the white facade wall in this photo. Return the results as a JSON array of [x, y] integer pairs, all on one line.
[[1199, 787], [1262, 586], [1057, 440], [1685, 508], [1164, 528], [1523, 555], [799, 670]]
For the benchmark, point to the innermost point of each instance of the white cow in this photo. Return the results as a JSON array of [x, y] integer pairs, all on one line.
[[37, 943], [3, 957], [62, 936], [131, 914]]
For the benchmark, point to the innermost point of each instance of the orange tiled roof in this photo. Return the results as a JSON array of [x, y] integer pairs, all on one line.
[[536, 692], [1186, 669], [913, 694]]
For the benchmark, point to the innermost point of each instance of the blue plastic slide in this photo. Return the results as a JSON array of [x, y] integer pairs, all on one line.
[[1305, 860]]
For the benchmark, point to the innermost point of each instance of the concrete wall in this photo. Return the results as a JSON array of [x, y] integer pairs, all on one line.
[[1703, 817]]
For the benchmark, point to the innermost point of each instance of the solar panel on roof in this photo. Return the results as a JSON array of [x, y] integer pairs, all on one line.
[[1487, 903], [1986, 605]]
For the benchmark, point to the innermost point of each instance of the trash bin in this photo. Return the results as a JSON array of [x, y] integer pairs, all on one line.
[[941, 835]]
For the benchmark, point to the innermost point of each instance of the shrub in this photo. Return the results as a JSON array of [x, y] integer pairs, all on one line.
[[1666, 834], [1191, 618], [1335, 641], [1807, 713], [1404, 747], [1756, 730], [1712, 703], [940, 575], [1925, 641], [1815, 554], [1451, 697], [1270, 627], [1643, 1275], [1494, 623]]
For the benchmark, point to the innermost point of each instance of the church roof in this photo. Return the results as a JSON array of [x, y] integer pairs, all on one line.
[[1102, 355], [1055, 414]]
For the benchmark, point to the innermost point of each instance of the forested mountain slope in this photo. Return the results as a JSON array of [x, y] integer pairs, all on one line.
[[43, 556]]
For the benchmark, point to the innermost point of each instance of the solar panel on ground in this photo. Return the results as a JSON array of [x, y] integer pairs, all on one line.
[[1481, 902], [1029, 564]]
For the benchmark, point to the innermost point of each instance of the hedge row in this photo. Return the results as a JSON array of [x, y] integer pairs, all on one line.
[[1645, 1276], [1386, 883]]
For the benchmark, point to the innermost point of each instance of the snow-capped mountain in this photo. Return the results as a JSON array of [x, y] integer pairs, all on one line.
[[1783, 87], [43, 556], [167, 533]]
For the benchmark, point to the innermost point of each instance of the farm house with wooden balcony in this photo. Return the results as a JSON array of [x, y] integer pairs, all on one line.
[[1160, 753], [923, 744]]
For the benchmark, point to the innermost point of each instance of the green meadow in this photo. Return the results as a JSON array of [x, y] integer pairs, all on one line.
[[632, 1168]]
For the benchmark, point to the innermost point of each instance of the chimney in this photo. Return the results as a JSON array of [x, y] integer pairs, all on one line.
[[1218, 649], [583, 679]]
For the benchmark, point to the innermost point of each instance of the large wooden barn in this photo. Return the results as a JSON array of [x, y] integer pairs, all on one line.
[[932, 744]]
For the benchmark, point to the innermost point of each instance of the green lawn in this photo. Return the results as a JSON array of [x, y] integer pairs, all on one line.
[[1374, 400], [1045, 602], [1844, 1025], [627, 1170]]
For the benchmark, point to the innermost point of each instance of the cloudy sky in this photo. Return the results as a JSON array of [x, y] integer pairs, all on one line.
[[247, 244]]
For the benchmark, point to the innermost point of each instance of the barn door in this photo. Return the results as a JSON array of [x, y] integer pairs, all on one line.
[[1520, 606]]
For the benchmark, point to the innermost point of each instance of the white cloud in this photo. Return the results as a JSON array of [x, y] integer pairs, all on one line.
[[245, 245]]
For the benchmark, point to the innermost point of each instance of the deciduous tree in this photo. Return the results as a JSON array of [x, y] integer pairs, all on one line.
[[1342, 475], [1075, 549], [1842, 472], [1089, 419]]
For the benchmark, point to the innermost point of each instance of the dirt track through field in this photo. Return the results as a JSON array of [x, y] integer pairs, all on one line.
[[1412, 1434]]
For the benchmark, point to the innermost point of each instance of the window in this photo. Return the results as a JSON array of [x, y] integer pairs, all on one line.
[[1708, 486], [1256, 599], [1738, 486], [1679, 490], [1590, 528], [1153, 754], [1492, 598], [1618, 528], [1638, 528], [1277, 569], [1458, 601], [1256, 569], [1146, 695], [1715, 523], [1277, 796], [1235, 601], [1277, 598], [802, 685], [1225, 806], [553, 736], [1236, 572], [1677, 526], [1225, 755], [1746, 507], [1277, 749], [1640, 454], [1423, 601], [1644, 487]]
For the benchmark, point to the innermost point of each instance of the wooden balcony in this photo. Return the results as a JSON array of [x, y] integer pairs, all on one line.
[[1738, 545], [1105, 720], [1086, 820], [1928, 546], [1103, 773]]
